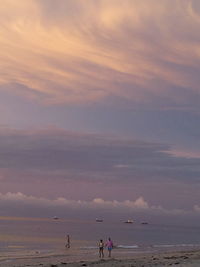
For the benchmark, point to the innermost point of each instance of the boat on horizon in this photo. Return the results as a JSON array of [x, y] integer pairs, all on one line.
[[129, 221], [99, 220]]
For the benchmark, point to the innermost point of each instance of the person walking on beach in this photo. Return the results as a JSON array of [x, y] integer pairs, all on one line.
[[101, 247], [68, 242], [109, 245]]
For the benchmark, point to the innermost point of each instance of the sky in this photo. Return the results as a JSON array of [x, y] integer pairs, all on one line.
[[100, 107]]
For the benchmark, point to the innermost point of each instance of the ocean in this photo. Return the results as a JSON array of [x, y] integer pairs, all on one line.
[[37, 236]]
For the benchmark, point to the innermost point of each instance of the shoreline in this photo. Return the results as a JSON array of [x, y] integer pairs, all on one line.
[[176, 258]]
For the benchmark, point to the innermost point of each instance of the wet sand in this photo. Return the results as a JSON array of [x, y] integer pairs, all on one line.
[[183, 258]]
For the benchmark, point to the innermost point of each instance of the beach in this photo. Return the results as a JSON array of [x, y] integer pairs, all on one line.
[[41, 242], [179, 258]]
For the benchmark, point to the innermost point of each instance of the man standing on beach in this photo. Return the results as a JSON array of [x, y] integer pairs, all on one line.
[[68, 242], [109, 245]]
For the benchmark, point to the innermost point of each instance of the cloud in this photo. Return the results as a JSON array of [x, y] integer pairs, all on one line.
[[196, 208], [139, 203], [84, 52], [96, 204], [91, 157], [184, 153], [53, 162]]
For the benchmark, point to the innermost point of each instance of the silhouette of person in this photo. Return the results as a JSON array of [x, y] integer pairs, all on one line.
[[68, 242], [101, 247]]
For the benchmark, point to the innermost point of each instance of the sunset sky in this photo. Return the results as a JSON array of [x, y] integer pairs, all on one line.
[[100, 106]]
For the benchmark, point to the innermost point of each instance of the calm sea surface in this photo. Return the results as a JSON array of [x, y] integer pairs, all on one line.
[[27, 236]]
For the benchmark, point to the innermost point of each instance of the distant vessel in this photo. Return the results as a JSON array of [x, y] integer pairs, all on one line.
[[55, 218], [99, 220], [129, 221], [144, 222]]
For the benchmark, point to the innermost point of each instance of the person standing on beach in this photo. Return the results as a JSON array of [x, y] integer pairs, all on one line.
[[68, 242], [109, 245], [101, 247]]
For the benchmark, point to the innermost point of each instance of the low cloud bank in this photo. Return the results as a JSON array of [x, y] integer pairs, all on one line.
[[139, 205]]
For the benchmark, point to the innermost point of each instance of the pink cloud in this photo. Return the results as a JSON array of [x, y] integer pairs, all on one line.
[[91, 51]]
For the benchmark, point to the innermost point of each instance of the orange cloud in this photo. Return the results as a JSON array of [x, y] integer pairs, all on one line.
[[80, 52]]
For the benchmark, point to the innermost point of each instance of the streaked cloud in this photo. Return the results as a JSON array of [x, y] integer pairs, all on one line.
[[197, 208], [84, 155], [137, 52]]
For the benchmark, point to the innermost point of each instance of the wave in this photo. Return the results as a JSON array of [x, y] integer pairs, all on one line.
[[127, 246], [118, 246], [144, 247], [175, 245], [89, 247]]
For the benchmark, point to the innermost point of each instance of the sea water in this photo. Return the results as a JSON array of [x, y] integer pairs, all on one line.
[[32, 236]]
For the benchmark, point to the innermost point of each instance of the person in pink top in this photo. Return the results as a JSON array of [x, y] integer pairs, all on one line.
[[109, 245]]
